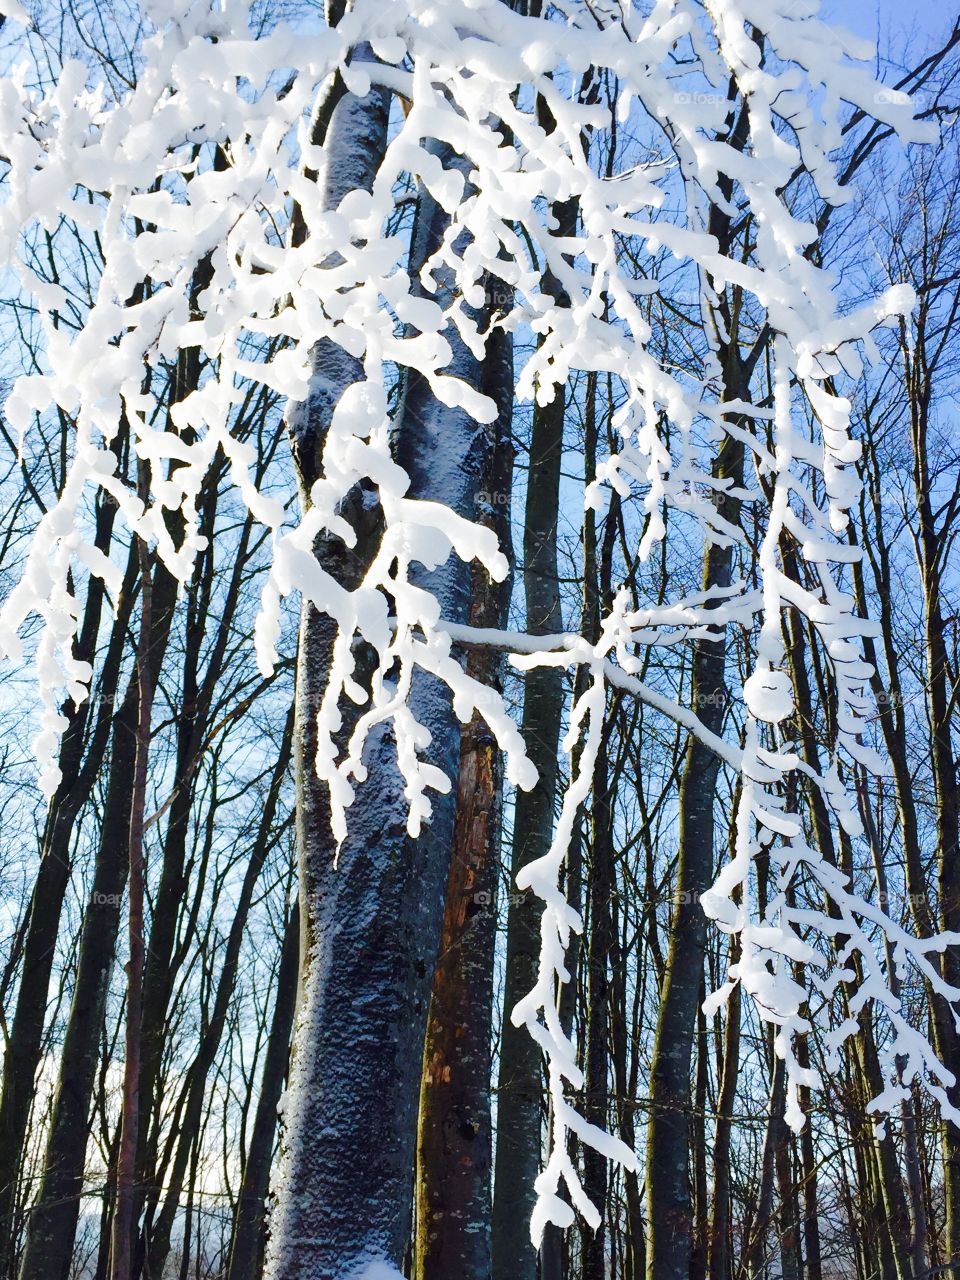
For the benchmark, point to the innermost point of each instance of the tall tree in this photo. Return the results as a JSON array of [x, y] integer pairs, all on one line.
[[455, 1140], [519, 1083]]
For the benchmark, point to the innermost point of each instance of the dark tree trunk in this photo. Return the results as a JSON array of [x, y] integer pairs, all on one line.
[[454, 1145], [454, 1150], [599, 946], [519, 1084], [787, 1217], [81, 755], [669, 1211], [249, 1228], [123, 1217], [371, 920], [53, 1224], [719, 1252], [190, 1113]]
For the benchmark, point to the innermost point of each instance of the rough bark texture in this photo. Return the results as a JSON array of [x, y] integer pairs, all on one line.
[[454, 1150], [371, 923], [454, 1147]]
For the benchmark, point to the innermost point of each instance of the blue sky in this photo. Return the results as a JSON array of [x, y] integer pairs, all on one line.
[[893, 20]]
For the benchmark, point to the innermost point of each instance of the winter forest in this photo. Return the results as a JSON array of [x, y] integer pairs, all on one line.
[[479, 640]]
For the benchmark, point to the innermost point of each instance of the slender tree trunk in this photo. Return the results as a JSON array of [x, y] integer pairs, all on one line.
[[915, 1242], [599, 945], [81, 755], [189, 1114], [600, 875], [249, 1227], [670, 1233], [941, 697], [755, 1239], [454, 1148], [53, 1223], [698, 1148], [625, 1084], [123, 1218], [808, 1158], [787, 1218], [669, 1214], [718, 1255], [519, 1083]]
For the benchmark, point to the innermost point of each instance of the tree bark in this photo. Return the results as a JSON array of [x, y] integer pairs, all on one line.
[[123, 1218], [669, 1211], [454, 1149], [454, 1146], [719, 1251], [371, 922]]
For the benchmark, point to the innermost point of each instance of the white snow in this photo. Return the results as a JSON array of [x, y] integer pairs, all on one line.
[[346, 282]]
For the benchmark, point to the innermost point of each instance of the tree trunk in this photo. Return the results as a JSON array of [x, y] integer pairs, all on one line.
[[249, 1227], [519, 1084], [81, 755], [454, 1144], [788, 1219], [719, 1253], [123, 1216], [599, 946], [454, 1149], [190, 1113], [755, 1235], [669, 1213], [670, 1236], [54, 1221], [698, 1148], [371, 922]]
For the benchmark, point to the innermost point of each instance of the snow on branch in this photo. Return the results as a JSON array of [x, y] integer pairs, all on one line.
[[187, 184]]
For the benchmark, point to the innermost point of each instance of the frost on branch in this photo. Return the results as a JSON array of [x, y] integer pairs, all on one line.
[[194, 173]]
